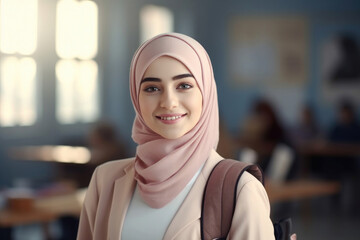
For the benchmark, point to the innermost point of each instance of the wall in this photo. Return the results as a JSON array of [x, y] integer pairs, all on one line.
[[324, 18], [205, 20]]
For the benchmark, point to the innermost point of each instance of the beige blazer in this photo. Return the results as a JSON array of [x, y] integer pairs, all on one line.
[[112, 186]]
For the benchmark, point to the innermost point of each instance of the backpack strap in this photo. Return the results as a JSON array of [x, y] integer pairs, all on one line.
[[219, 197]]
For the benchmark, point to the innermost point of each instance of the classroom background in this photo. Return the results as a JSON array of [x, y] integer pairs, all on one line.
[[288, 80]]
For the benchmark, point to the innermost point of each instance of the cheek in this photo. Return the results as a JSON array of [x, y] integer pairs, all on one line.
[[195, 103], [145, 107]]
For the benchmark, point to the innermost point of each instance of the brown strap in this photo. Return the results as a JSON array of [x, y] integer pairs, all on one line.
[[220, 197]]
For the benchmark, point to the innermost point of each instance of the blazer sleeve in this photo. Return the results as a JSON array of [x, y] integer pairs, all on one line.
[[88, 212], [251, 218]]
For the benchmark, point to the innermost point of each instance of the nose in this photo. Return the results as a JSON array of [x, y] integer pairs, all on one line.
[[169, 99]]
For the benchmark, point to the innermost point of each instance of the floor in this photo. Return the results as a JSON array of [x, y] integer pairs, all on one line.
[[330, 218], [329, 228]]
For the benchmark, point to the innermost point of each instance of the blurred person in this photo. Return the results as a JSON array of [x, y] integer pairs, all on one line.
[[307, 129], [227, 144], [104, 144], [343, 134], [341, 161], [346, 128], [263, 132], [158, 193], [308, 137]]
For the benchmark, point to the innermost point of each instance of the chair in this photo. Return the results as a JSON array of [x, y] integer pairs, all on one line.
[[248, 155], [280, 163]]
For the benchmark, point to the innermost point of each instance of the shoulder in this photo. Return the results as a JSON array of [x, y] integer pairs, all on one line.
[[250, 187], [251, 218], [248, 178], [112, 170], [116, 164]]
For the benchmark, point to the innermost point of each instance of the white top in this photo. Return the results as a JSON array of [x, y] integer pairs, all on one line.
[[143, 222]]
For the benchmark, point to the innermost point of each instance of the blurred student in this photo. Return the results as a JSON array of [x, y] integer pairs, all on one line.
[[345, 134], [346, 128], [263, 132], [104, 144], [307, 129]]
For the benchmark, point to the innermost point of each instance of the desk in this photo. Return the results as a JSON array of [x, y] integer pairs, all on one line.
[[66, 204], [45, 210], [10, 218], [338, 153], [317, 148], [51, 208], [300, 189]]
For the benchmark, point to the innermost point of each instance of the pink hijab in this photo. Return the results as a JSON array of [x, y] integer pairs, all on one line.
[[163, 167]]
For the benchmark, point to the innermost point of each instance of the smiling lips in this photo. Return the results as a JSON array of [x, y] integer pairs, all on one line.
[[170, 118]]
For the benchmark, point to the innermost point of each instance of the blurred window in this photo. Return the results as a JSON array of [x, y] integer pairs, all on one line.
[[77, 97], [155, 20], [18, 78]]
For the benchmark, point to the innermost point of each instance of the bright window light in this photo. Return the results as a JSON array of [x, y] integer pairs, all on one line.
[[18, 26], [76, 29], [65, 91], [87, 86], [155, 20], [77, 91], [18, 92], [77, 73]]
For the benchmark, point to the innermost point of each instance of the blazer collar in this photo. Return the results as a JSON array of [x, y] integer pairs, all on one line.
[[123, 191], [190, 210]]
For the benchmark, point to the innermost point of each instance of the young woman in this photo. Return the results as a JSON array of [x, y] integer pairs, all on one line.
[[158, 193]]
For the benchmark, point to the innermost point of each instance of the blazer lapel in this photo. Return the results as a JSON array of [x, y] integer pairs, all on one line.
[[190, 210], [123, 192]]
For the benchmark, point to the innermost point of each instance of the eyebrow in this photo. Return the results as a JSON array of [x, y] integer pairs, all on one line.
[[150, 79], [185, 75], [177, 77]]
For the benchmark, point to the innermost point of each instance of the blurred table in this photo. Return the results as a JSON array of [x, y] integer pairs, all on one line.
[[75, 163], [300, 189], [313, 151], [10, 218], [45, 210], [318, 148]]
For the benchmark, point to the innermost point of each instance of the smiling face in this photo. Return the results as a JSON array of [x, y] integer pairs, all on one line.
[[170, 99]]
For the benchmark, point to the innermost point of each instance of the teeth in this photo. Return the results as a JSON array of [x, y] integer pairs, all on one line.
[[170, 118]]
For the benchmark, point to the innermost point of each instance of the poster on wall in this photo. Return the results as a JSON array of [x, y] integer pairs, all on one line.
[[268, 50], [340, 68]]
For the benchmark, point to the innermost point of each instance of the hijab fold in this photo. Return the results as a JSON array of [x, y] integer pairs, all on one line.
[[163, 167]]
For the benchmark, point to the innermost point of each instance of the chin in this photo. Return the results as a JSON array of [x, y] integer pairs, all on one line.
[[172, 136]]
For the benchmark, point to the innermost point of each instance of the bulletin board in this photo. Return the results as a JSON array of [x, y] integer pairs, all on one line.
[[268, 50]]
